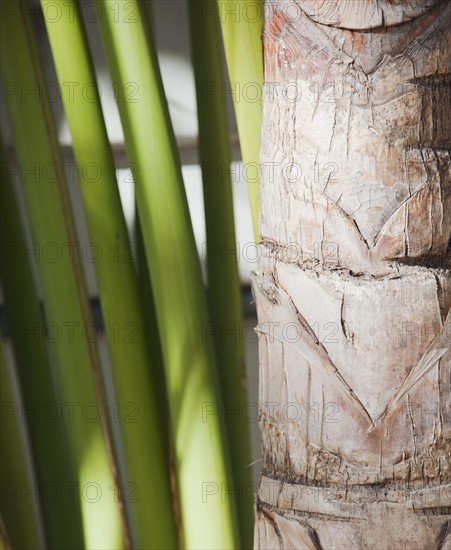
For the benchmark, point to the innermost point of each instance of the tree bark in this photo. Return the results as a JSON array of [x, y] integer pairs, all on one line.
[[353, 289]]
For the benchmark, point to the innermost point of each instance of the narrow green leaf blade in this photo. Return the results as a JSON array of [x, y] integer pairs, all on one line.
[[19, 513], [200, 451], [224, 293], [242, 25], [146, 455], [66, 306], [62, 519]]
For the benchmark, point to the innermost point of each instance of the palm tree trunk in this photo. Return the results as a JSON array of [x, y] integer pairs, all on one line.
[[353, 288]]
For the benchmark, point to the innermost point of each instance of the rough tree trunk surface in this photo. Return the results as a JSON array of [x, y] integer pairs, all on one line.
[[353, 290]]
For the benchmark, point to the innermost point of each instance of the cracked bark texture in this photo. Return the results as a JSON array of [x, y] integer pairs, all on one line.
[[353, 289]]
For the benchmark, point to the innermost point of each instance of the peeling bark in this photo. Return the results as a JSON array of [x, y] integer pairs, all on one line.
[[353, 289]]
